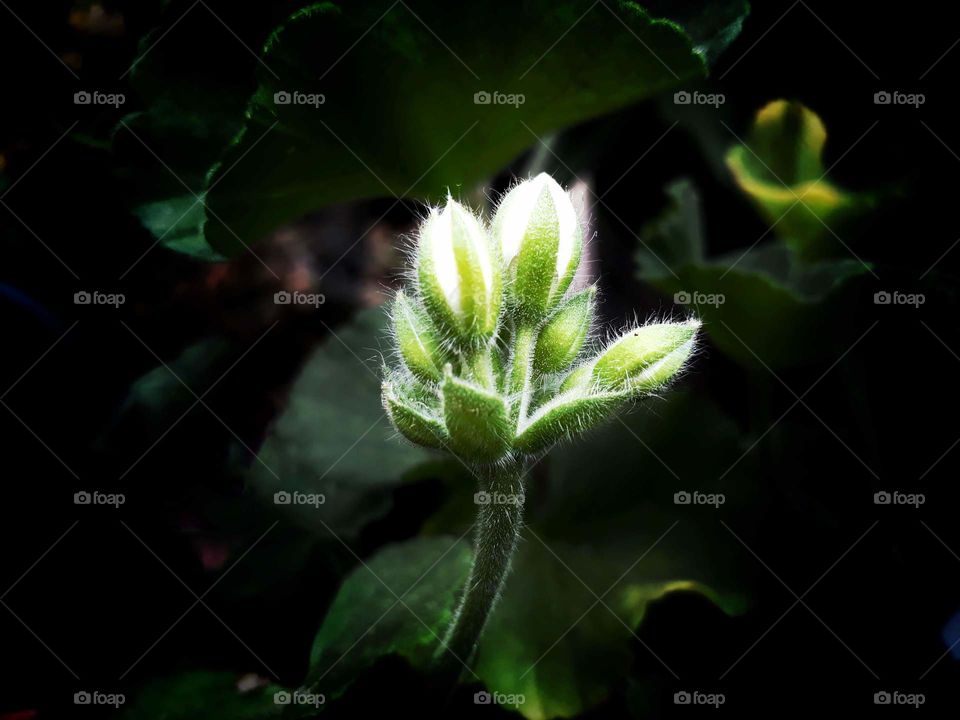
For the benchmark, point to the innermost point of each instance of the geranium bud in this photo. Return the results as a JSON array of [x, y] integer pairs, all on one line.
[[460, 278], [646, 357], [416, 339], [540, 239], [562, 338]]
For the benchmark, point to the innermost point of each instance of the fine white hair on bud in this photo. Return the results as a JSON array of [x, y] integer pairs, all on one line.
[[540, 238], [459, 275], [492, 354]]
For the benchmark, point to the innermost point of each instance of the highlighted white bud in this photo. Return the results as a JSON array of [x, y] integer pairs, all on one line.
[[460, 278], [540, 239]]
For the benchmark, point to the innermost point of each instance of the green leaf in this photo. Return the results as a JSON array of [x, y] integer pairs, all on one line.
[[426, 574], [201, 694], [415, 129], [585, 532], [780, 168], [765, 302], [333, 438]]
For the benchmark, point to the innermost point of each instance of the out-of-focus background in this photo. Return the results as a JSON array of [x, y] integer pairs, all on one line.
[[204, 205]]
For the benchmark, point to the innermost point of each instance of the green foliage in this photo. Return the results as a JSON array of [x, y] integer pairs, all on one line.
[[414, 130], [765, 300]]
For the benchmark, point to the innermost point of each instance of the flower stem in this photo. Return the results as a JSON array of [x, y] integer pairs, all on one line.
[[498, 526]]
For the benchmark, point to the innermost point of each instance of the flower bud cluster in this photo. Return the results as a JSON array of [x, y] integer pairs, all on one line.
[[493, 346]]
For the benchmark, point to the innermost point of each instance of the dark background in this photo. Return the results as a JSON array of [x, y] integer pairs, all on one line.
[[98, 599]]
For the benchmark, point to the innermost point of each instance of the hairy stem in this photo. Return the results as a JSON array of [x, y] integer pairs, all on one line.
[[498, 526]]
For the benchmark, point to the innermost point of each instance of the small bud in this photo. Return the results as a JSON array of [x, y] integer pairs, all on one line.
[[413, 420], [562, 338], [460, 277], [416, 339], [646, 357], [540, 239], [477, 420]]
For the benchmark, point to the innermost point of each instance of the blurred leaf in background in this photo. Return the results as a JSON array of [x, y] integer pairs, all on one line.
[[358, 101]]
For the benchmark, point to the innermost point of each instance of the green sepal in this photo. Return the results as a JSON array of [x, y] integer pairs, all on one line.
[[478, 421]]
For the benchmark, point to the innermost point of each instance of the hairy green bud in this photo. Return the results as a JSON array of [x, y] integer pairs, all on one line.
[[564, 334], [645, 358], [416, 339]]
